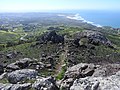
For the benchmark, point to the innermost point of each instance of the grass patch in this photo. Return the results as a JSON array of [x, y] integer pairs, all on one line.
[[61, 73], [4, 81], [71, 30], [8, 37]]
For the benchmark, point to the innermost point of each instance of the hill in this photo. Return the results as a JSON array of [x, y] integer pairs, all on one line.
[[67, 50]]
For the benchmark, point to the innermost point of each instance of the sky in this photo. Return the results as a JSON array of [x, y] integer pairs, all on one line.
[[47, 5]]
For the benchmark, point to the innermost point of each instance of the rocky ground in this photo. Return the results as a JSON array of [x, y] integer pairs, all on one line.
[[74, 65], [82, 76]]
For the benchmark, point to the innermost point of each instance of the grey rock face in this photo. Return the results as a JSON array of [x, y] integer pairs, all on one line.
[[65, 84], [45, 84], [97, 83], [21, 75], [80, 70], [25, 86], [38, 65], [12, 67], [3, 75], [5, 86], [23, 63], [52, 36], [88, 74], [20, 64], [94, 37], [1, 69], [106, 70], [83, 70]]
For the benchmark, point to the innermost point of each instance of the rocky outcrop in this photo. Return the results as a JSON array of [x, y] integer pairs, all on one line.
[[25, 86], [3, 75], [5, 86], [78, 71], [12, 55], [23, 63], [81, 70], [94, 37], [85, 71], [45, 84], [20, 64], [12, 67], [38, 66], [97, 83], [41, 83], [21, 75], [52, 36], [106, 70], [82, 76], [1, 69]]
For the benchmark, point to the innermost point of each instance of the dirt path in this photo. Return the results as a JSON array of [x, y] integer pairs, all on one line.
[[63, 57]]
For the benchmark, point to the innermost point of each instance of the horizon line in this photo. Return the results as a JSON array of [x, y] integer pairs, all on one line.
[[54, 11]]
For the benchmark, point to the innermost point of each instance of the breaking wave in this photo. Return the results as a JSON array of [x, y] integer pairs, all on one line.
[[78, 17]]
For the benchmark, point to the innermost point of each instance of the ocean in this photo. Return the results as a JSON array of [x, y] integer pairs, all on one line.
[[97, 17]]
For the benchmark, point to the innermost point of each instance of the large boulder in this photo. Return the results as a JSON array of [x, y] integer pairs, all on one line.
[[2, 76], [78, 71], [5, 86], [23, 63], [106, 70], [38, 66], [25, 86], [21, 75], [97, 83], [20, 64], [52, 36], [12, 67], [94, 37], [45, 84], [84, 70]]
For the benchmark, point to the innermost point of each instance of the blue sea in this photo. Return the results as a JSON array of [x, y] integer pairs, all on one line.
[[98, 17]]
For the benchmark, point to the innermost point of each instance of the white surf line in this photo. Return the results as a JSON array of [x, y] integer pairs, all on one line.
[[78, 17]]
